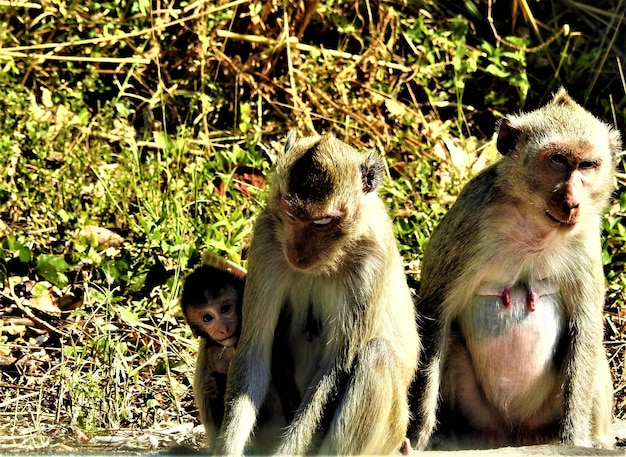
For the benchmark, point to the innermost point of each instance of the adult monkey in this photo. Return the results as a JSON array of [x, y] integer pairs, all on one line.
[[324, 252], [512, 289]]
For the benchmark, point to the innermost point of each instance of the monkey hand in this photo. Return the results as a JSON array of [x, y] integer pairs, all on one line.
[[215, 385]]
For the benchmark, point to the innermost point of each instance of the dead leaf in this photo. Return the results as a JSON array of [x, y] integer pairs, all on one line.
[[6, 361], [69, 302], [47, 302], [104, 237], [246, 177], [395, 108]]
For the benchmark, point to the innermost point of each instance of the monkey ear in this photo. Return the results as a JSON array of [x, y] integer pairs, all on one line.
[[292, 136], [371, 172], [508, 137], [615, 146], [562, 98]]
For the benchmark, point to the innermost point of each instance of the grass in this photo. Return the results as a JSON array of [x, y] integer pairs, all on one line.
[[135, 136]]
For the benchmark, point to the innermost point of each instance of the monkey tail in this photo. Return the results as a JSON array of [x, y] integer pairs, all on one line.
[[214, 260]]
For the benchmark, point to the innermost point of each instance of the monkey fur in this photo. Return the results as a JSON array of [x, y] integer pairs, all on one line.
[[324, 255], [512, 291]]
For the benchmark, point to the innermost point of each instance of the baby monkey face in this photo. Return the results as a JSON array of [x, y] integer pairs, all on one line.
[[217, 318]]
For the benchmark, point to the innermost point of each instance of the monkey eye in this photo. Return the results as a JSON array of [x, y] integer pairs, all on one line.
[[559, 160], [225, 308], [206, 318], [323, 221], [587, 165]]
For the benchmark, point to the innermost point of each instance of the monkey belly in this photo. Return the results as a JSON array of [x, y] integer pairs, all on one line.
[[512, 350]]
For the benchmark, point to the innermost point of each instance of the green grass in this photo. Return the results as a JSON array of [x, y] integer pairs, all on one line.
[[163, 132]]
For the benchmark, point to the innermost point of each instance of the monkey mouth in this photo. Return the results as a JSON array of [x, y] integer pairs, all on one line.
[[228, 341], [301, 263], [568, 223]]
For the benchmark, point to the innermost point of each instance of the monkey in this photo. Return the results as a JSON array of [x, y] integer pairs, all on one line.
[[323, 253], [512, 291], [211, 303]]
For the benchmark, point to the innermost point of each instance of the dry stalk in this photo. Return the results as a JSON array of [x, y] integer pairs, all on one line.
[[565, 31], [293, 43], [298, 104], [4, 54], [17, 51]]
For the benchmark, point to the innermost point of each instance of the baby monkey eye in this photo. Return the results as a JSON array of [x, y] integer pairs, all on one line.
[[206, 318], [225, 308]]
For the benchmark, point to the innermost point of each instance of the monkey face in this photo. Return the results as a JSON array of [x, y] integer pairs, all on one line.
[[217, 318], [308, 239], [562, 157], [320, 189], [568, 173]]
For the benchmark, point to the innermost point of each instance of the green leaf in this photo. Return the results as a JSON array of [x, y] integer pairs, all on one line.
[[24, 254], [53, 268], [128, 316]]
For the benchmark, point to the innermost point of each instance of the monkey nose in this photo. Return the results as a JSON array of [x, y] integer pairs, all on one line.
[[570, 204], [570, 211]]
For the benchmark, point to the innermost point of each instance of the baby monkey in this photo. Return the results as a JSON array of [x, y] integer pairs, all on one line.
[[211, 303]]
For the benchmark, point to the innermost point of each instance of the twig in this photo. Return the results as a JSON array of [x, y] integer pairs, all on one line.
[[295, 44], [298, 104], [122, 36], [565, 31], [604, 56], [19, 303], [30, 5], [119, 60], [4, 404]]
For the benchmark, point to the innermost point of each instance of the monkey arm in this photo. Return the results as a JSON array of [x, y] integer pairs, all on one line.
[[246, 388], [215, 385], [443, 264], [203, 401], [425, 389], [585, 300], [250, 369], [299, 434]]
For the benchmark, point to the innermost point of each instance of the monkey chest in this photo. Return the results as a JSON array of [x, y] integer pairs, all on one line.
[[513, 335]]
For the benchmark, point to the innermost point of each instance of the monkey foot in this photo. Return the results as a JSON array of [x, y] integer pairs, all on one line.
[[405, 447]]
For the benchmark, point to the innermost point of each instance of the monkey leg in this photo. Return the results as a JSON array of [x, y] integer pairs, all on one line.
[[603, 407], [207, 406], [372, 415]]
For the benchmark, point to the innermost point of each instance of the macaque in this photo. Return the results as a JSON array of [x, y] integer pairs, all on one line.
[[512, 291], [324, 256], [211, 303]]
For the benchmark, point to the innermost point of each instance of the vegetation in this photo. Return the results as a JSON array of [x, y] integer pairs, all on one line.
[[136, 135]]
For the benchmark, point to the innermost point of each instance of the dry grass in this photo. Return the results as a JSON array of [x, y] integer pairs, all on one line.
[[158, 122]]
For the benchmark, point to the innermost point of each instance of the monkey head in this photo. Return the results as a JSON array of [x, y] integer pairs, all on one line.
[[211, 303], [320, 189], [562, 158]]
